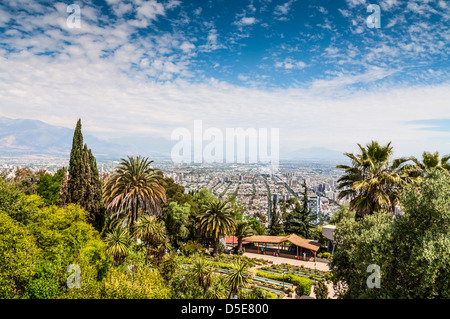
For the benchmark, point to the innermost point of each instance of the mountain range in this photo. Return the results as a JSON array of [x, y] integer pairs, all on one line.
[[20, 137]]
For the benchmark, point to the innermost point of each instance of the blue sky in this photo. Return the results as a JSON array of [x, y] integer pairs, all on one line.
[[314, 69]]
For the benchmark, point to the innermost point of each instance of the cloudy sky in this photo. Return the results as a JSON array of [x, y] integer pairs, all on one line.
[[313, 69]]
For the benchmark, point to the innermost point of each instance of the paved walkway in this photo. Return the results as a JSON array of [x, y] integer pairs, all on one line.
[[309, 264], [280, 260]]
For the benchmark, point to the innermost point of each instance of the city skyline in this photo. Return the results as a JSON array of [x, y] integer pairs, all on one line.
[[316, 71]]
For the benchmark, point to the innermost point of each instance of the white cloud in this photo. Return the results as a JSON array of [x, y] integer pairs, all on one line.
[[212, 42], [345, 13], [290, 64], [243, 77], [355, 3], [146, 12], [114, 104], [187, 46], [322, 10], [283, 9], [244, 21], [389, 4]]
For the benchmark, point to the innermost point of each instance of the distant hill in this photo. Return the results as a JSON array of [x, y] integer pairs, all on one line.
[[33, 137], [25, 137]]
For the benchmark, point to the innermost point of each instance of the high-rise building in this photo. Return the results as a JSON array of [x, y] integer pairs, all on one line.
[[314, 203]]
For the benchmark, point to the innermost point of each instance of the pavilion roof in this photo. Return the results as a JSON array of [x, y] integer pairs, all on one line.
[[296, 240]]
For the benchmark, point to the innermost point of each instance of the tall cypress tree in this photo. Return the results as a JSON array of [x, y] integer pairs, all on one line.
[[84, 185], [76, 168], [301, 220], [275, 227]]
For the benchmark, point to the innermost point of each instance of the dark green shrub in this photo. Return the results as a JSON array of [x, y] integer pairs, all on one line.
[[328, 276], [304, 287], [321, 290], [45, 284]]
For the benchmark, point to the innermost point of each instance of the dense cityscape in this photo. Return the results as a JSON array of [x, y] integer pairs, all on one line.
[[252, 185]]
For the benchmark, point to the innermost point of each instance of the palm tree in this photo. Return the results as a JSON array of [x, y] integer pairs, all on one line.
[[118, 241], [373, 183], [216, 222], [202, 272], [239, 276], [429, 161], [243, 229], [153, 234], [134, 187]]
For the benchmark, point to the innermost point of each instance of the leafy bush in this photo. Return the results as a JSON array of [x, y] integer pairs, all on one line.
[[139, 284], [90, 287], [326, 255], [192, 247], [321, 290], [220, 265], [290, 278], [304, 287], [256, 293], [319, 255], [45, 284], [18, 257]]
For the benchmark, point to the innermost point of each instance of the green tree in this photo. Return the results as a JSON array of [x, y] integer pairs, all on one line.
[[275, 227], [411, 250], [373, 182], [83, 184], [177, 222], [63, 234], [75, 190], [342, 212], [202, 272], [49, 186], [17, 205], [118, 241], [19, 255], [430, 161], [135, 186], [239, 276], [203, 198], [418, 266], [216, 222], [286, 206], [243, 229], [257, 226], [94, 201], [301, 220], [153, 234]]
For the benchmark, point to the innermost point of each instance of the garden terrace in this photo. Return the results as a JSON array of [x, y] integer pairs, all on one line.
[[312, 274]]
